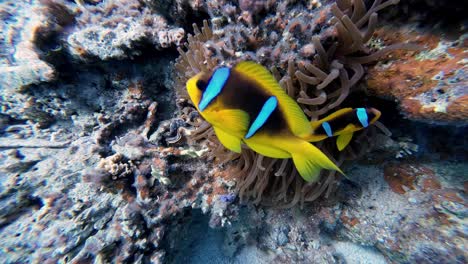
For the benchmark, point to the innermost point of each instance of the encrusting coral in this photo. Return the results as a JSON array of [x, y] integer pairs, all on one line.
[[430, 87], [114, 29], [320, 81]]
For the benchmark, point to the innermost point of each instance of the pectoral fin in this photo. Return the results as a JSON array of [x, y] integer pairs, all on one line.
[[229, 141], [234, 121], [343, 140]]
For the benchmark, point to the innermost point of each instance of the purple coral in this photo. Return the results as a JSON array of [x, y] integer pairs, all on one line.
[[227, 198]]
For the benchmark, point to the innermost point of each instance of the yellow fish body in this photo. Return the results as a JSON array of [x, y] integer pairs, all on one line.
[[246, 104]]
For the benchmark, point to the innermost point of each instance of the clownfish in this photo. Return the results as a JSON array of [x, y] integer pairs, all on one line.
[[343, 123], [245, 104]]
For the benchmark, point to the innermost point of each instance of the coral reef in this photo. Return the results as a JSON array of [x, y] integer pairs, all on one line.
[[118, 29], [374, 218], [430, 86], [91, 187], [103, 160], [20, 64], [415, 216]]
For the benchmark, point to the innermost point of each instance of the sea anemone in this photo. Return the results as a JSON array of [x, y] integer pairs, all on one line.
[[319, 83]]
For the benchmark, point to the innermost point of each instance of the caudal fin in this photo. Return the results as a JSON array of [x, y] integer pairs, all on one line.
[[309, 161]]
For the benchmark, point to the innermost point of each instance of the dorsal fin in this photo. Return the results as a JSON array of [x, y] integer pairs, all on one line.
[[295, 117], [329, 120], [331, 116]]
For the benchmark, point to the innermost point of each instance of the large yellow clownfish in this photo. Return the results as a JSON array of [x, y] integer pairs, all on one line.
[[245, 104]]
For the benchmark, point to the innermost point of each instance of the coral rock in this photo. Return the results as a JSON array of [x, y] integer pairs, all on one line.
[[116, 30], [431, 85], [20, 64]]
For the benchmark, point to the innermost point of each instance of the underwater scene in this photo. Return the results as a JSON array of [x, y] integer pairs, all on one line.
[[233, 131]]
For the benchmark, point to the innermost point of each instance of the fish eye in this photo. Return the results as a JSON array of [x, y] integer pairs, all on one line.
[[201, 85]]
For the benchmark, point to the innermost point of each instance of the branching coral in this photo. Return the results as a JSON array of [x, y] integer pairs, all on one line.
[[319, 84]]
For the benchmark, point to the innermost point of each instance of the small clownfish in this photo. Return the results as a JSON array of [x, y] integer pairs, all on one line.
[[246, 104], [343, 123]]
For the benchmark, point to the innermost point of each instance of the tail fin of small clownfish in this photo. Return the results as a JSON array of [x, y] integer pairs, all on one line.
[[342, 124], [309, 161]]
